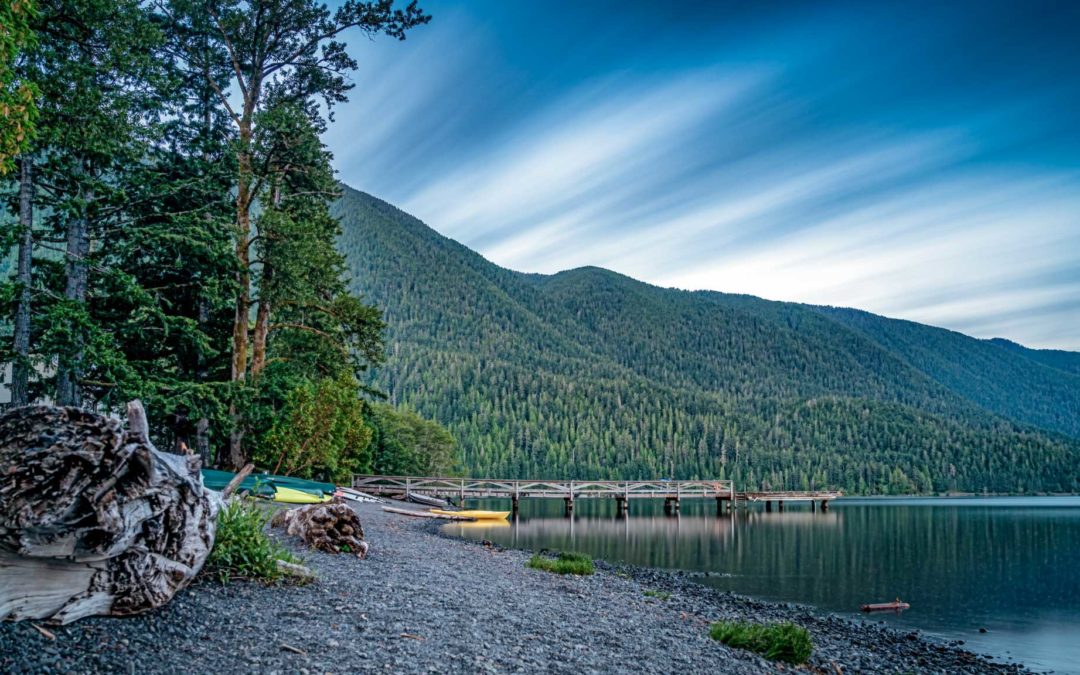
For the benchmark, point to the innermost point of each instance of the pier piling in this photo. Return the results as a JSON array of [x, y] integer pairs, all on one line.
[[671, 491]]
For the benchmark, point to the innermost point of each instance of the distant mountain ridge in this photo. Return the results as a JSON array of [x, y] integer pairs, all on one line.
[[588, 373]]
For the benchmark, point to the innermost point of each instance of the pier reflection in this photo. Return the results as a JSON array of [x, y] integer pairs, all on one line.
[[649, 537], [1008, 565]]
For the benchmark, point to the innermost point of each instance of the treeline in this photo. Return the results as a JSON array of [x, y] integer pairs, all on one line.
[[589, 374], [166, 197]]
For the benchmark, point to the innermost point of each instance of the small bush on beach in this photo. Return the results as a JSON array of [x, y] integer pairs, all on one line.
[[659, 595], [777, 641], [565, 563], [242, 549]]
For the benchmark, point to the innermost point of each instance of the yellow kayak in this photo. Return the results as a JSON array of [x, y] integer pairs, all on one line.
[[291, 496], [479, 515]]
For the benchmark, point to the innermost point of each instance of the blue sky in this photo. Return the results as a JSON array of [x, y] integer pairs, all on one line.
[[918, 160]]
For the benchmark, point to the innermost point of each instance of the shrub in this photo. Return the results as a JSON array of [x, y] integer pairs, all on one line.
[[565, 563], [778, 641], [320, 431], [242, 549]]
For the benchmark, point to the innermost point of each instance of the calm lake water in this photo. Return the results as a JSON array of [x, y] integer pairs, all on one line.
[[1010, 565]]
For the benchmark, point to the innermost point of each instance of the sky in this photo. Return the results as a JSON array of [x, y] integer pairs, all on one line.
[[918, 160]]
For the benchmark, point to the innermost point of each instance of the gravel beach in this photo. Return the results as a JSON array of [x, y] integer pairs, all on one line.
[[426, 603]]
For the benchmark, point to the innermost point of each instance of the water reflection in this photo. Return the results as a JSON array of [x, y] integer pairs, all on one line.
[[1009, 565]]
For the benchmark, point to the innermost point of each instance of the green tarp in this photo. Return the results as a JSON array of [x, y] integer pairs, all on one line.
[[265, 484]]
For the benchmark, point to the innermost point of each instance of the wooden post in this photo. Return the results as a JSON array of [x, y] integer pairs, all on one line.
[[824, 505], [569, 506], [813, 505], [781, 505], [768, 506]]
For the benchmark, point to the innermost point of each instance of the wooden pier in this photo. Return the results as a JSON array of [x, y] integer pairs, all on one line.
[[622, 491]]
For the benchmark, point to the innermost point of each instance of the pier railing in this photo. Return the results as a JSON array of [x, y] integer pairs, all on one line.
[[564, 489]]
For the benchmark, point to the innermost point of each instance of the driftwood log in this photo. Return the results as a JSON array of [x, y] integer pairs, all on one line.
[[332, 527], [93, 518]]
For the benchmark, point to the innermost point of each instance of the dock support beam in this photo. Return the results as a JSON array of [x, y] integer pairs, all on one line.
[[622, 506], [768, 506], [824, 505], [722, 504], [569, 506], [671, 505], [514, 504], [780, 505]]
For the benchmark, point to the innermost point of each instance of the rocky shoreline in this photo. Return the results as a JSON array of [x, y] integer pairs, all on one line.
[[424, 602]]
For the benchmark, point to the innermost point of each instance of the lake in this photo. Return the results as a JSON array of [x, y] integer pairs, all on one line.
[[1010, 565]]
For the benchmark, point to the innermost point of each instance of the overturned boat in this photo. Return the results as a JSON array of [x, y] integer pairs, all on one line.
[[427, 501]]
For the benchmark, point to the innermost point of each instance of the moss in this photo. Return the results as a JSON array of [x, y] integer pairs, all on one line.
[[564, 563], [659, 595], [778, 641]]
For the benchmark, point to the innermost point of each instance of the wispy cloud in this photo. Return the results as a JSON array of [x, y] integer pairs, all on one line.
[[774, 165]]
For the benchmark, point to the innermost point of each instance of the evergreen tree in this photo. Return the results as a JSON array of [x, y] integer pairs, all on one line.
[[283, 49], [17, 106]]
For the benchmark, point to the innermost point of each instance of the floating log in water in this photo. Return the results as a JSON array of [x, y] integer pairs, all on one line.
[[93, 518], [895, 606], [424, 514]]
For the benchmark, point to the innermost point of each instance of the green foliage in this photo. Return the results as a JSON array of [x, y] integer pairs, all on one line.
[[18, 110], [659, 595], [276, 98], [242, 548], [136, 169], [778, 641], [588, 374], [320, 430], [406, 444], [565, 563]]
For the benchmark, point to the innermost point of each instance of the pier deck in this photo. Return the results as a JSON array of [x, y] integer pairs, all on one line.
[[671, 491]]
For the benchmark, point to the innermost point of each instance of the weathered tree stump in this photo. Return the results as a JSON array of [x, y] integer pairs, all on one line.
[[93, 518], [333, 527]]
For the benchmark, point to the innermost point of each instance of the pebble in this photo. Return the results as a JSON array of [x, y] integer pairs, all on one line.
[[470, 608]]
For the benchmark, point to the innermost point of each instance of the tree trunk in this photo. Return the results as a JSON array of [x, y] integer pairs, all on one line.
[[20, 370], [241, 318], [202, 426], [262, 325], [262, 317], [93, 519], [68, 390]]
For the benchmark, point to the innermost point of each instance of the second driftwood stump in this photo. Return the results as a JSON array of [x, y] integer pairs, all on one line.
[[332, 527]]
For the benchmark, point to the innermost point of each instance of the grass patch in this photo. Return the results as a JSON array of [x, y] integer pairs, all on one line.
[[777, 641], [659, 595], [242, 549], [565, 563]]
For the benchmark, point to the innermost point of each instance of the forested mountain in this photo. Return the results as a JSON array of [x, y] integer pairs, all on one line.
[[591, 374]]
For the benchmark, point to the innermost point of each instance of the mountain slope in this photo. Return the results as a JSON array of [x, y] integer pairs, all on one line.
[[588, 373]]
